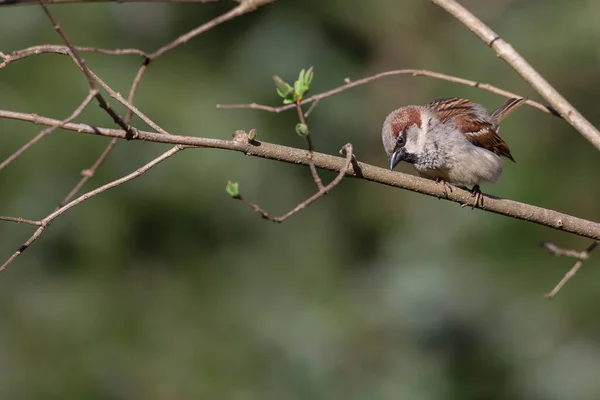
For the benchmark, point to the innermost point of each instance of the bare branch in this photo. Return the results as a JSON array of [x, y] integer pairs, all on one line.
[[323, 190], [581, 256], [20, 220], [71, 50], [522, 211], [64, 50], [348, 167], [49, 130], [244, 7], [87, 174], [413, 72], [86, 71], [44, 223], [131, 108], [506, 52]]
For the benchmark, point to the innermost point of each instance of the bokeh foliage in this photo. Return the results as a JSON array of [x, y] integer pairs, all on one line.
[[167, 288]]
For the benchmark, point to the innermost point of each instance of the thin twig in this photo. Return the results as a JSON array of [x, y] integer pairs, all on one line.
[[117, 96], [244, 7], [506, 52], [87, 174], [581, 256], [44, 223], [347, 151], [413, 72], [130, 133], [68, 50], [58, 49], [133, 90], [49, 130], [522, 211], [88, 74], [311, 108], [20, 220], [90, 172], [311, 149]]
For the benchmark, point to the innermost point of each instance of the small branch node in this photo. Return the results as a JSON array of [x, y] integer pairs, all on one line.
[[346, 149], [491, 43], [581, 256]]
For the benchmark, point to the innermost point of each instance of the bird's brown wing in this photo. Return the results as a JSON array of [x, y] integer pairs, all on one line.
[[473, 121]]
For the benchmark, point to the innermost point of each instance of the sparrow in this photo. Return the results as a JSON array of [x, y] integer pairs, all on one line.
[[452, 141]]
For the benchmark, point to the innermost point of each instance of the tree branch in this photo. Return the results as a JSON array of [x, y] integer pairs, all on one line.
[[244, 7], [506, 52], [412, 72], [87, 174], [581, 256], [71, 50], [522, 211], [323, 190], [86, 71], [44, 223], [48, 130], [64, 50]]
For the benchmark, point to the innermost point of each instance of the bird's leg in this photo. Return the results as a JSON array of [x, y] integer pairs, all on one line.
[[476, 192], [445, 185]]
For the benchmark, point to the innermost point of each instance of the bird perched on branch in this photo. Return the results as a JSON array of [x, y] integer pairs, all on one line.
[[452, 141]]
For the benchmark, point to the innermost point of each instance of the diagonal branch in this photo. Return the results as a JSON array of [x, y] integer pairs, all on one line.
[[323, 190], [514, 209], [130, 107], [71, 50], [581, 256], [90, 172], [86, 71], [506, 52], [44, 223], [49, 130], [244, 7]]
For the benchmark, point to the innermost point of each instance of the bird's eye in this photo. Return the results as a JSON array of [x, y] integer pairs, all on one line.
[[400, 141]]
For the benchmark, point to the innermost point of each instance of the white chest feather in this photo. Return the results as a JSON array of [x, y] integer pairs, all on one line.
[[456, 160]]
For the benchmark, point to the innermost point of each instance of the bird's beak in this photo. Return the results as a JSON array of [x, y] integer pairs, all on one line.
[[396, 157]]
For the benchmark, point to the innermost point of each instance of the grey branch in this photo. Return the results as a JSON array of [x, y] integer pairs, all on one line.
[[581, 256], [349, 84], [522, 211], [506, 52]]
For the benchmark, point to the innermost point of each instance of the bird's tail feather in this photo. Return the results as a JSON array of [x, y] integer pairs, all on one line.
[[505, 109]]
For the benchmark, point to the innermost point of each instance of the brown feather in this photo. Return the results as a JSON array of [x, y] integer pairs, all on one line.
[[505, 109], [474, 122]]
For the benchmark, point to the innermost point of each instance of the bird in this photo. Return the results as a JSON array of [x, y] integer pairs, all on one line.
[[453, 141]]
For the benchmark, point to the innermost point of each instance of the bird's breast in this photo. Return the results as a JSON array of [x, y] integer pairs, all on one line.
[[474, 166], [468, 166]]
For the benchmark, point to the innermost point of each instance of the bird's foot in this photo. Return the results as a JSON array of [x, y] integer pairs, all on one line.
[[478, 201], [445, 185]]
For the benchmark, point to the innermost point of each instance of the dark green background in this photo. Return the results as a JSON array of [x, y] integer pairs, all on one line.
[[165, 288]]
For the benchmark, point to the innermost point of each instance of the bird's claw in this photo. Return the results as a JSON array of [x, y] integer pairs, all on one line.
[[445, 185], [478, 201]]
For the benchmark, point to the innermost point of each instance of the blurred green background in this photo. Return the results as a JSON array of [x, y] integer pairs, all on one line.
[[165, 288]]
